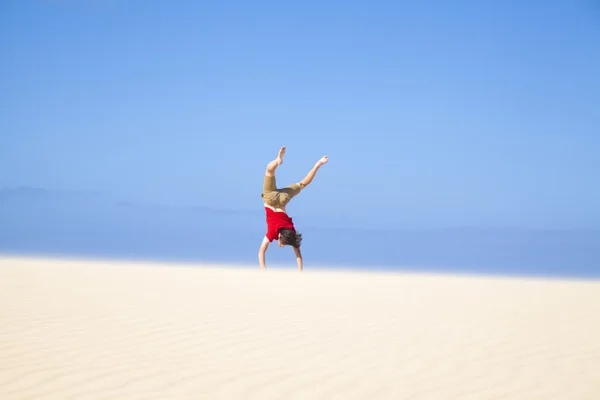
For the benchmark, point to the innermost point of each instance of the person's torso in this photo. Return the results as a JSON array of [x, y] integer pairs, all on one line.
[[279, 218], [275, 209]]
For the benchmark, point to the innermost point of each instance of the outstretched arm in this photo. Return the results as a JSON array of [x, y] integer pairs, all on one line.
[[261, 252], [298, 258]]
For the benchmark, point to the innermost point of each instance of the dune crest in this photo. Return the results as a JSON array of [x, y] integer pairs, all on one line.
[[73, 329]]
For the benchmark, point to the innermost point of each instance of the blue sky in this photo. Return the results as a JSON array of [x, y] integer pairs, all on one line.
[[432, 114]]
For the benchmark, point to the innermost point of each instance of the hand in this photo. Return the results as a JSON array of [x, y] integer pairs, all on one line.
[[261, 253], [298, 258]]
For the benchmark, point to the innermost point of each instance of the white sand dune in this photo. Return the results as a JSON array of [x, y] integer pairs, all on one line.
[[107, 330]]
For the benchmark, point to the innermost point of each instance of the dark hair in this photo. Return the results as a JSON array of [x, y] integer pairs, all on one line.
[[289, 237]]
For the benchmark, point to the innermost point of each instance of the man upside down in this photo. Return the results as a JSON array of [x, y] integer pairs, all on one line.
[[279, 225]]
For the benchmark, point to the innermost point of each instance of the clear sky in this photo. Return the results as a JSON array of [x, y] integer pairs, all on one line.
[[432, 113]]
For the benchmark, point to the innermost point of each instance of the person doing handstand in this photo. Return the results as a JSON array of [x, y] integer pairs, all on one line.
[[279, 225]]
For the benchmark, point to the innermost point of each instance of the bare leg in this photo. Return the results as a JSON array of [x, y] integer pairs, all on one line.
[[311, 174], [272, 166]]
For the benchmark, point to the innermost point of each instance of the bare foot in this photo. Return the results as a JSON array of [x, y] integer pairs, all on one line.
[[322, 161], [280, 155]]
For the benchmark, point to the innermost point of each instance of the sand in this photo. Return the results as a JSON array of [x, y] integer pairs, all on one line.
[[72, 329]]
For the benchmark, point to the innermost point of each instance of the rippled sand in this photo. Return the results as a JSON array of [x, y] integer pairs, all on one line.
[[109, 330]]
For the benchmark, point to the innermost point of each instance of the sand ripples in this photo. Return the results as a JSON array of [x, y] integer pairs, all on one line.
[[92, 331]]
